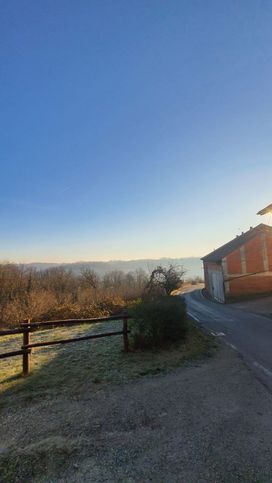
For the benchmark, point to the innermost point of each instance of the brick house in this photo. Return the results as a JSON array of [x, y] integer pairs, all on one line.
[[242, 266]]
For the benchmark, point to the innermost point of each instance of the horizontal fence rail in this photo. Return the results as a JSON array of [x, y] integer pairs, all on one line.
[[76, 339], [11, 332], [69, 322], [27, 327], [13, 353]]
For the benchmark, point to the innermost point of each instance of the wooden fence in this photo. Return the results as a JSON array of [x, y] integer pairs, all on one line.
[[27, 327]]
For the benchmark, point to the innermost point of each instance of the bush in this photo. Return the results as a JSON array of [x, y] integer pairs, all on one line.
[[158, 323]]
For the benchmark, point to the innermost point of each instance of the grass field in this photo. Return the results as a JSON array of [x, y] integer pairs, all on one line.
[[73, 367], [44, 415]]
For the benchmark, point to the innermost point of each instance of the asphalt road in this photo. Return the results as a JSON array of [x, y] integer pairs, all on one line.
[[248, 333]]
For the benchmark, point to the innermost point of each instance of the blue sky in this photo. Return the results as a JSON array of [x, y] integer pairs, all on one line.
[[132, 129]]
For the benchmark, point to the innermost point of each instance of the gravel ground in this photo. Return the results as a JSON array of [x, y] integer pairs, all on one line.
[[210, 422]]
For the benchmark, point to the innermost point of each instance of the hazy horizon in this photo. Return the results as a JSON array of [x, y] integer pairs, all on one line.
[[18, 259], [78, 259], [192, 265]]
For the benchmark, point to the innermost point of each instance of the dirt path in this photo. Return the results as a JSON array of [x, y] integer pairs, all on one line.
[[206, 423]]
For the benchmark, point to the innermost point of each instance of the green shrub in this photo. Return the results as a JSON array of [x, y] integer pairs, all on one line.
[[158, 323]]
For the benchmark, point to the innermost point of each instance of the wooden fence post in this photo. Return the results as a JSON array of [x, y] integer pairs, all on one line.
[[26, 354], [125, 334]]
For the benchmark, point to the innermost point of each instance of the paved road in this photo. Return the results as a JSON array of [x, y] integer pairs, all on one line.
[[248, 333]]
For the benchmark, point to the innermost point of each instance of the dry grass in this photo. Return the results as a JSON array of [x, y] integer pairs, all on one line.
[[47, 455], [67, 373], [68, 369]]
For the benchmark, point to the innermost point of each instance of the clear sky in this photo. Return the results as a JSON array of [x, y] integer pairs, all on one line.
[[132, 128]]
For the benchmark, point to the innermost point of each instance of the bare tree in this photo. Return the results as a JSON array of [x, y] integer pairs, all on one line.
[[164, 280], [60, 293], [89, 278]]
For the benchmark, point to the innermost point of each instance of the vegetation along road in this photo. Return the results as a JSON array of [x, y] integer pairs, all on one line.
[[246, 332]]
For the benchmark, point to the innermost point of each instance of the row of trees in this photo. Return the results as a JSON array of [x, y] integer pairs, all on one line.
[[60, 293]]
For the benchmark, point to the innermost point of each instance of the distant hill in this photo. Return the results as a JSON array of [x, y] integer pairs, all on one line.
[[192, 265]]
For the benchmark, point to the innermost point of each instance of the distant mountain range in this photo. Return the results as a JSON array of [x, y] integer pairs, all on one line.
[[192, 265]]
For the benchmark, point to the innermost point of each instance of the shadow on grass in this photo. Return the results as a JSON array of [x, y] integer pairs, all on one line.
[[75, 372], [15, 377], [78, 369]]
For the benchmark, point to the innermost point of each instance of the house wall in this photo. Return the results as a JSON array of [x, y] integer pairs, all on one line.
[[248, 270], [251, 285], [214, 282], [234, 262]]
